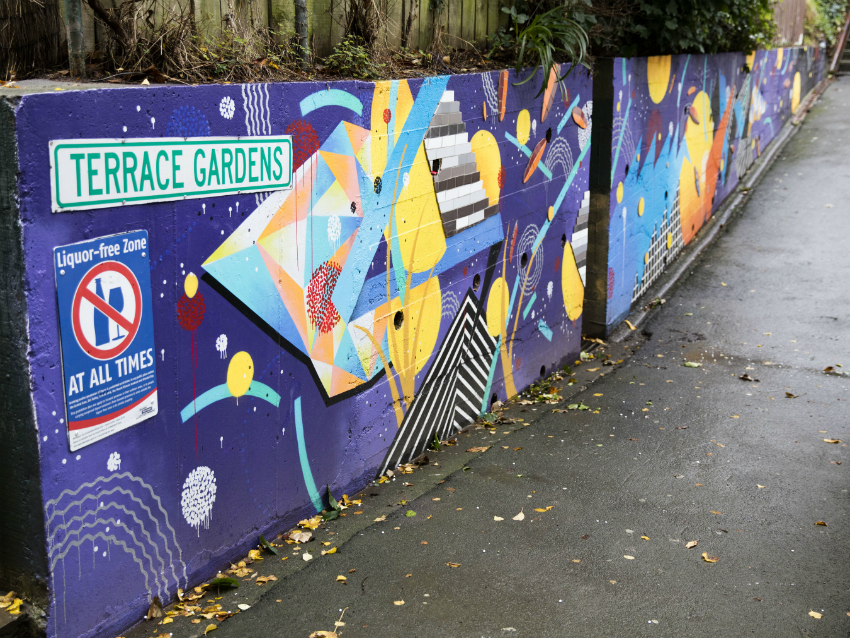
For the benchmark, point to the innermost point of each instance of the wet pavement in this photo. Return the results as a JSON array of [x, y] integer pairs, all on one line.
[[666, 455]]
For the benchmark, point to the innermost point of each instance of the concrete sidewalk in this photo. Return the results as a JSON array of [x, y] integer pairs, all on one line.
[[666, 455]]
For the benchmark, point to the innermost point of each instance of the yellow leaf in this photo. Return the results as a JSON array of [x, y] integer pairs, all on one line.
[[630, 325], [332, 550], [627, 557], [716, 512], [761, 487], [519, 517], [210, 627], [15, 607], [453, 564], [254, 554], [576, 560], [691, 544], [381, 518], [481, 448], [815, 614], [709, 559], [543, 509], [592, 369], [735, 416], [498, 518], [598, 394], [262, 580], [165, 621], [821, 523], [398, 602], [832, 440], [644, 537], [341, 579]]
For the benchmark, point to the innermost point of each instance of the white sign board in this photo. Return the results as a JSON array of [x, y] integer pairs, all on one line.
[[101, 173]]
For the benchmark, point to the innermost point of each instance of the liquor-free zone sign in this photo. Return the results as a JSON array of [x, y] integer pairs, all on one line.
[[106, 327], [100, 173]]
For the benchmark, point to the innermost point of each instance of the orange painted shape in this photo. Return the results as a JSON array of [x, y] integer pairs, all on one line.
[[549, 94], [290, 293], [534, 160], [503, 94], [578, 117]]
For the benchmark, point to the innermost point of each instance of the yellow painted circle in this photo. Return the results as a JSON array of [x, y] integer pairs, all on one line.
[[190, 285], [658, 76], [412, 345], [497, 307], [551, 213], [620, 193], [523, 126], [240, 373], [488, 161], [795, 92], [641, 205], [571, 285]]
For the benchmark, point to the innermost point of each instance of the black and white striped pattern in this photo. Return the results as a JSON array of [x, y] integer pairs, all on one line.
[[453, 391]]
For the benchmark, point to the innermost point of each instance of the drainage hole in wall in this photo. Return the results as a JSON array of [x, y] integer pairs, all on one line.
[[563, 240], [493, 399], [523, 262], [542, 371], [398, 321], [476, 282]]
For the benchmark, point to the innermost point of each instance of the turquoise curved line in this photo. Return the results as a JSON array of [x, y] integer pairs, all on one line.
[[334, 97], [305, 462], [219, 392]]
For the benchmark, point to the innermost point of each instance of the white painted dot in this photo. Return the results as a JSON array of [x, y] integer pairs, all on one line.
[[125, 129], [61, 420], [107, 529], [138, 108], [181, 265], [56, 430], [44, 437], [164, 282], [104, 554], [95, 548], [64, 461], [161, 295], [54, 412], [222, 232], [78, 457]]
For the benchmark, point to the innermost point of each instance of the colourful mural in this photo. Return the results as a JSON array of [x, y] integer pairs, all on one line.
[[428, 260], [685, 129]]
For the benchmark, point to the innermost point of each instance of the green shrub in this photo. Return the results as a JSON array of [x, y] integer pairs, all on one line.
[[351, 58]]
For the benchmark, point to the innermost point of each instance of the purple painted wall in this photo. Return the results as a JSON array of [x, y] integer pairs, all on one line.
[[685, 129], [486, 221]]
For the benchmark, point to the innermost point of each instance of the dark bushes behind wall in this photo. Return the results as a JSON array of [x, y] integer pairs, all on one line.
[[29, 36]]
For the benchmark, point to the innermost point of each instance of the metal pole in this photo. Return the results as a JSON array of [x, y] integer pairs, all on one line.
[[76, 45]]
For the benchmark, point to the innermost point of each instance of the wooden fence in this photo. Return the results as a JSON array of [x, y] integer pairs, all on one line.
[[790, 16], [462, 22]]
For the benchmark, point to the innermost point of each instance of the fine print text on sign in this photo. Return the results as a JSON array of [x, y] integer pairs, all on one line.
[[106, 329], [100, 173]]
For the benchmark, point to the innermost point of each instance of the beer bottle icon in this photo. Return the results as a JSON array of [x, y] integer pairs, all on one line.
[[116, 300]]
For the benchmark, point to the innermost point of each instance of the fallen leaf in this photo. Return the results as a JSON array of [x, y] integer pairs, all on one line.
[[324, 634], [255, 554], [519, 517], [381, 518], [341, 579], [816, 615], [410, 513], [155, 609], [692, 364], [788, 395], [592, 369], [835, 462], [821, 523], [598, 394], [224, 582], [746, 377], [210, 627], [332, 550], [832, 440], [166, 621], [576, 560], [691, 544], [498, 518], [645, 537], [543, 509], [435, 499], [630, 325], [306, 556], [716, 512], [517, 449], [761, 487], [398, 602], [613, 582], [482, 448], [300, 537], [735, 416], [453, 565], [627, 557], [709, 559]]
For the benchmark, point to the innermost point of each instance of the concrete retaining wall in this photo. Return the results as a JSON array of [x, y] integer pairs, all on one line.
[[428, 261], [683, 130]]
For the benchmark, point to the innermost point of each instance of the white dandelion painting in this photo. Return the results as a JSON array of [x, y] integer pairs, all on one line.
[[198, 497], [114, 462], [227, 107], [221, 345]]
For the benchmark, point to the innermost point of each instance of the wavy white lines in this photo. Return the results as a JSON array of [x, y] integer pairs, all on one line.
[[450, 305], [133, 497], [255, 102], [110, 539], [559, 153], [490, 93], [119, 509]]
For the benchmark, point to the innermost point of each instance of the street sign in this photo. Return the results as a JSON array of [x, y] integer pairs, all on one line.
[[106, 327], [102, 173]]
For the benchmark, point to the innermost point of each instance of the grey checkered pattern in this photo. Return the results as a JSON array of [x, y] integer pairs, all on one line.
[[659, 254], [460, 191]]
